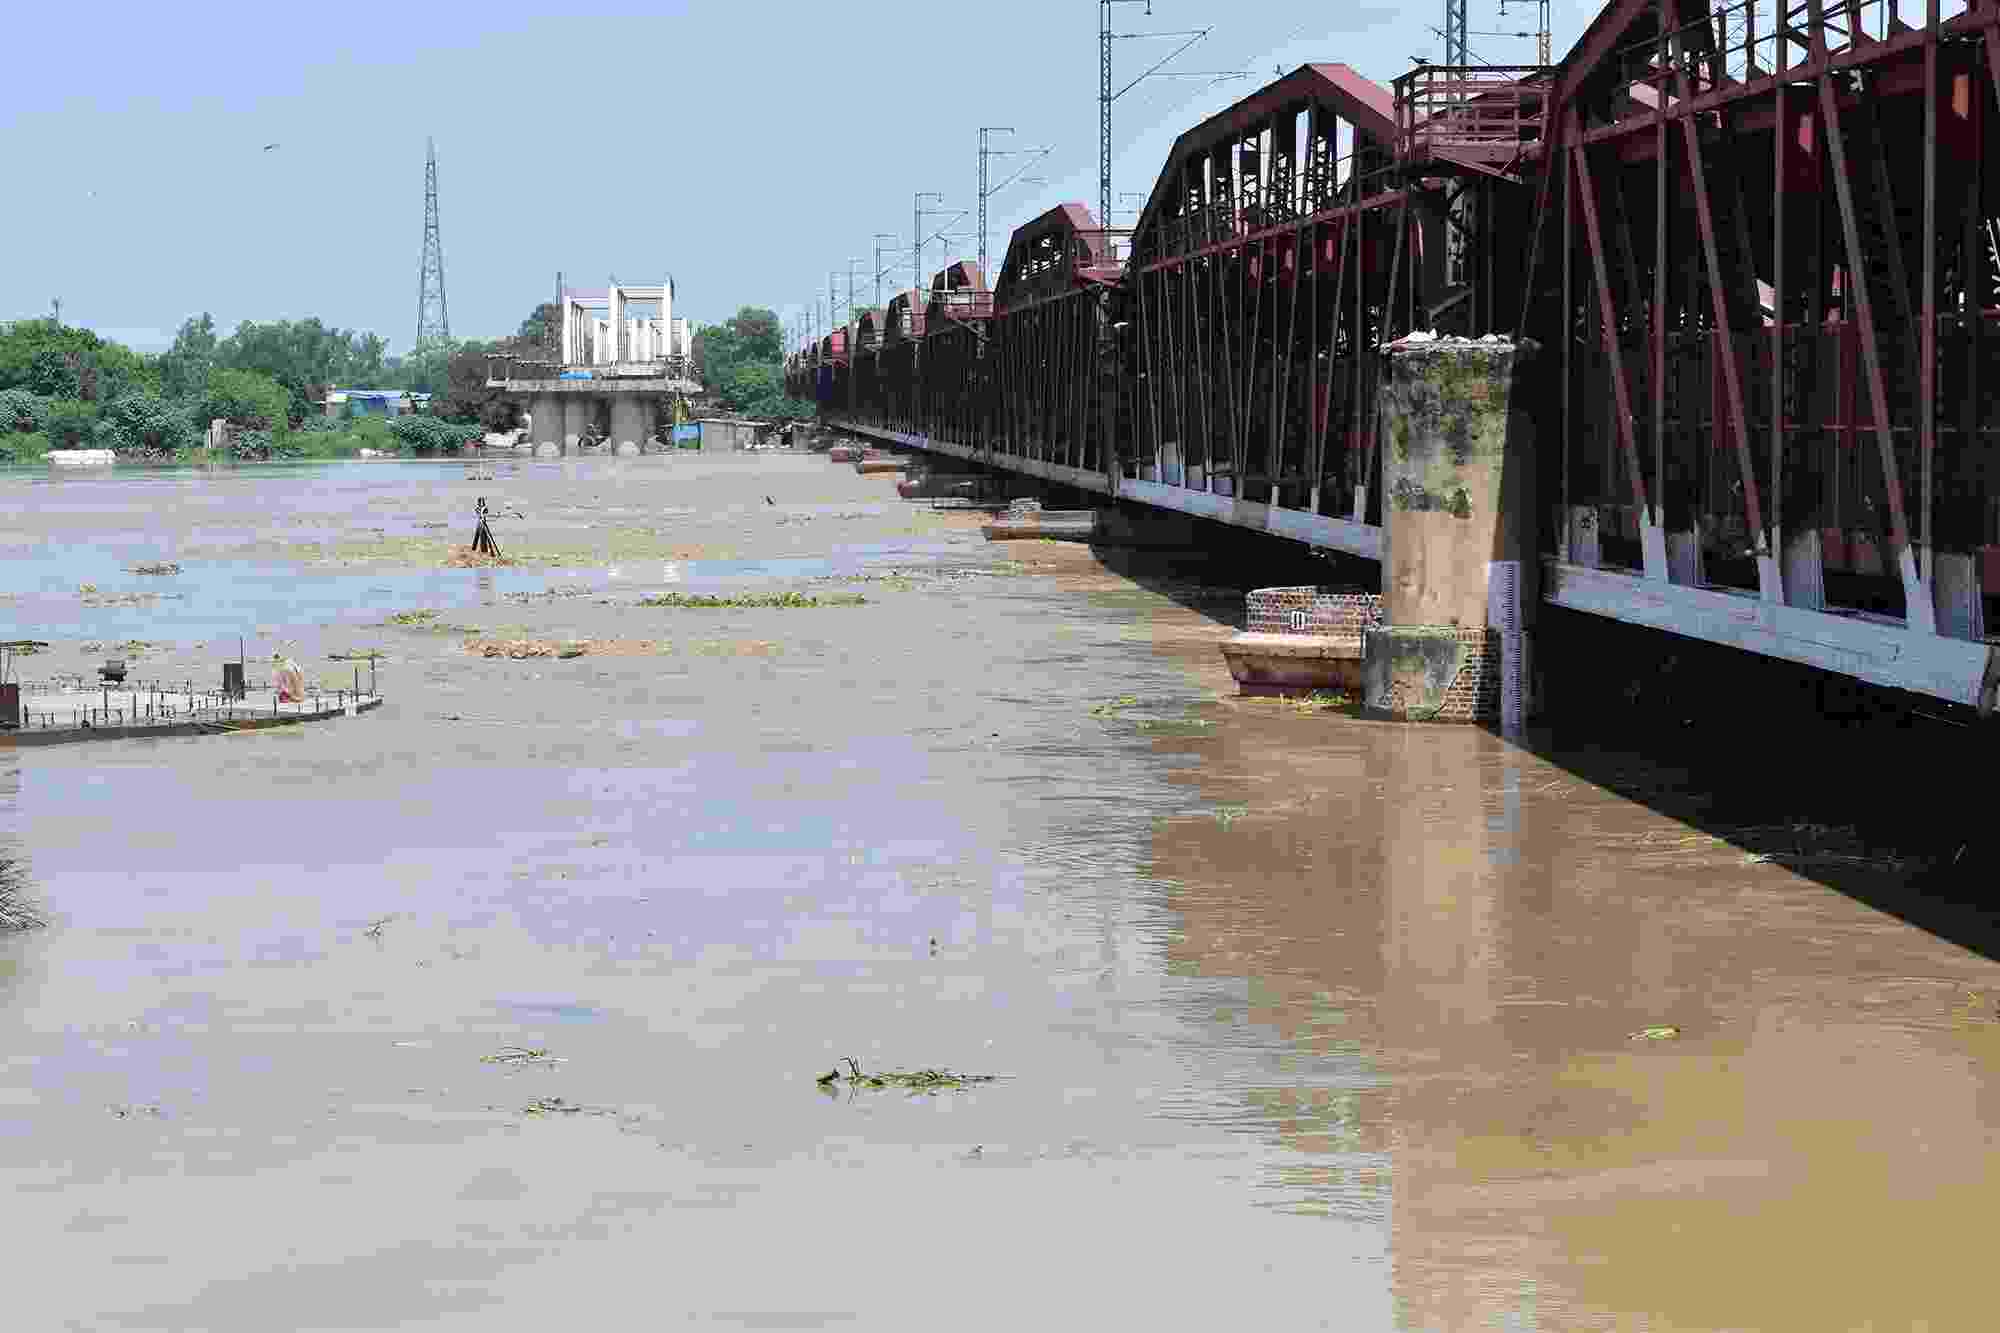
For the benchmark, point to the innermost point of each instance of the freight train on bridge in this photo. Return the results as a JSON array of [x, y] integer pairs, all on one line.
[[1748, 253]]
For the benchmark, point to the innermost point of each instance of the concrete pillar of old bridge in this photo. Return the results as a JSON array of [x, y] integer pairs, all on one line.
[[649, 422], [576, 420], [546, 411], [1458, 537], [628, 422]]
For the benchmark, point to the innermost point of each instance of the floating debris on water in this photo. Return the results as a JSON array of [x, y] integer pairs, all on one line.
[[565, 648], [156, 567], [522, 1055], [557, 1106], [358, 655], [1112, 707], [1664, 1032], [1175, 723], [424, 620], [1226, 815], [921, 1080], [752, 601], [549, 594]]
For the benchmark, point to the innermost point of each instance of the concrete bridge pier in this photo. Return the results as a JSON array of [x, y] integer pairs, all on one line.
[[629, 427], [576, 420], [548, 422], [1458, 544]]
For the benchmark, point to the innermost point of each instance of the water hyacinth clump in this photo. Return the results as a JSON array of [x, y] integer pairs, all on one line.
[[752, 601], [921, 1080]]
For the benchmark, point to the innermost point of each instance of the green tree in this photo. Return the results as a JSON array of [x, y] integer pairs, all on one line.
[[306, 357], [717, 351], [184, 367], [69, 423], [247, 399], [120, 371], [54, 373], [540, 328], [25, 342], [365, 355], [758, 332], [145, 423], [465, 397], [21, 411]]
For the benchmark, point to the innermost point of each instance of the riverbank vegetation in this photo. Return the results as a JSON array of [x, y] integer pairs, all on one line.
[[66, 388], [742, 362]]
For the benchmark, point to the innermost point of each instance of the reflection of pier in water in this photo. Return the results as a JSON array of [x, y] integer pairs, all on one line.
[[1450, 942]]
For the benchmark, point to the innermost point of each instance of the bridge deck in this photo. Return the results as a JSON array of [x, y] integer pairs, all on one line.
[[1877, 649]]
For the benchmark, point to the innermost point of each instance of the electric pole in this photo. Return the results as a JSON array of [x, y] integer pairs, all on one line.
[[1033, 155], [984, 193], [1105, 97], [880, 237], [917, 236], [1541, 33]]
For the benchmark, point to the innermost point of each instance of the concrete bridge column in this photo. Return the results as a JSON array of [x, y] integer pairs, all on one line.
[[628, 423], [649, 424], [546, 409], [576, 419], [1459, 568]]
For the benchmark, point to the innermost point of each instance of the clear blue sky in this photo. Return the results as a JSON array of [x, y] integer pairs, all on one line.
[[746, 148]]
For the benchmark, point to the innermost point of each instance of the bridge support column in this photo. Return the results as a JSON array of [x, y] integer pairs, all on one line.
[[1459, 568], [628, 423], [649, 424], [546, 409], [576, 419]]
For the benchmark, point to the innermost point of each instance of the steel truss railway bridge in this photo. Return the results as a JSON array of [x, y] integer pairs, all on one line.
[[1749, 252]]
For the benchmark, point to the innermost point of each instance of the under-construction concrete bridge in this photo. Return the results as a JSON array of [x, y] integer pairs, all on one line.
[[618, 375], [1745, 261]]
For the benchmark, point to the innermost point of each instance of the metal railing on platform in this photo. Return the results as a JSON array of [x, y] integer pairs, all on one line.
[[1488, 111], [54, 704]]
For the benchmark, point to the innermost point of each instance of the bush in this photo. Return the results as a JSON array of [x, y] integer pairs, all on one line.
[[429, 435], [22, 411], [32, 447], [53, 374], [140, 423], [354, 436], [69, 423], [245, 398], [250, 444]]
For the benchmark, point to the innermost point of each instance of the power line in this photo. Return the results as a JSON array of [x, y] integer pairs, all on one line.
[[1033, 155], [1105, 85]]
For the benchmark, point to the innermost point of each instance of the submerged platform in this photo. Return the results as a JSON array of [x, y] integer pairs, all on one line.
[[68, 716]]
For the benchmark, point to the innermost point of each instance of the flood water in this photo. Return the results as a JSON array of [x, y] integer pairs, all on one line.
[[1302, 1021]]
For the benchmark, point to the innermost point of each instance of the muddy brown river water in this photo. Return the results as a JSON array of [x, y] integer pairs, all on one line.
[[1302, 1021]]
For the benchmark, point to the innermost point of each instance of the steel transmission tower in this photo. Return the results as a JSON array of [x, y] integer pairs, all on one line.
[[432, 319], [1455, 50]]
